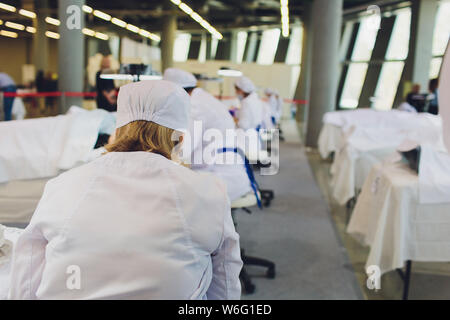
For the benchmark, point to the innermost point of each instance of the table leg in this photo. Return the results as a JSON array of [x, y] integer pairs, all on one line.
[[407, 277]]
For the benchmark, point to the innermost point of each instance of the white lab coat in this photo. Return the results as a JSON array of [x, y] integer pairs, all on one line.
[[213, 115], [267, 116], [276, 104], [250, 115], [138, 226]]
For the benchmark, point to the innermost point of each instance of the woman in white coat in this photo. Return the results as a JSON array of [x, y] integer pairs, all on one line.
[[251, 113], [209, 113], [133, 224]]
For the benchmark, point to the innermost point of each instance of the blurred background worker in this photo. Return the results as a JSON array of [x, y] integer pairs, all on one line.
[[251, 113], [276, 104], [7, 85], [211, 114], [169, 232], [433, 107], [106, 90], [416, 99]]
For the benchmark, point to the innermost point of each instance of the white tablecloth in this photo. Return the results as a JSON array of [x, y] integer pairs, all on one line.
[[388, 218], [330, 139], [11, 234]]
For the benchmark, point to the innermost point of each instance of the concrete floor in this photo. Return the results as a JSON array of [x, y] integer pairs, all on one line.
[[298, 234]]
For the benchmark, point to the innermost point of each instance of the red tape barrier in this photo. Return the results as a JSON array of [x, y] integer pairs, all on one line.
[[94, 94]]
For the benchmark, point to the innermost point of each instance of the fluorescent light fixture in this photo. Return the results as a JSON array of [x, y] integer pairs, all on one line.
[[14, 25], [52, 34], [1, 22], [133, 28], [87, 9], [176, 2], [52, 21], [150, 77], [101, 36], [117, 77], [31, 29], [196, 17], [144, 33], [229, 73], [102, 15], [27, 13], [9, 34], [154, 37], [88, 32], [7, 7], [284, 10], [183, 6], [119, 22]]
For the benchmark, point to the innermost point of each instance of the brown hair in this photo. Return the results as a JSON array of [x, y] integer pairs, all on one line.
[[143, 136]]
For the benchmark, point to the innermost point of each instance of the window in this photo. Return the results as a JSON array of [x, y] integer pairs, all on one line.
[[181, 47], [357, 69], [392, 69], [294, 53], [388, 85], [440, 38], [268, 47], [241, 41], [353, 85]]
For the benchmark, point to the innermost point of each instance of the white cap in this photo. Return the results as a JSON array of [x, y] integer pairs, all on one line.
[[158, 101], [180, 77], [270, 91], [245, 84]]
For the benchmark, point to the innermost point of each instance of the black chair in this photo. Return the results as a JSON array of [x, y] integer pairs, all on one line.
[[244, 203]]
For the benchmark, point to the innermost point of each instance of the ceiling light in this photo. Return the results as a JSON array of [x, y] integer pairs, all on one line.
[[27, 13], [176, 2], [31, 29], [52, 21], [101, 36], [183, 6], [7, 7], [13, 25], [87, 9], [133, 28], [229, 73], [52, 34], [102, 15], [9, 34], [119, 22], [88, 32]]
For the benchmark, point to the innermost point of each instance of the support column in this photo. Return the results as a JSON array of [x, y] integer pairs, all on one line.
[[71, 51], [40, 41], [417, 67], [304, 82], [168, 41], [326, 21]]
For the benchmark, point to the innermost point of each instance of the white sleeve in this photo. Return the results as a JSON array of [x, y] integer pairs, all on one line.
[[227, 265], [244, 116], [27, 264]]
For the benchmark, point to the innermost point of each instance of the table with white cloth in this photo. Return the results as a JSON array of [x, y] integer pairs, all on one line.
[[389, 218], [11, 235], [363, 147]]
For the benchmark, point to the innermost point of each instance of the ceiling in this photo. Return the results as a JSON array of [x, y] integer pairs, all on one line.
[[222, 14]]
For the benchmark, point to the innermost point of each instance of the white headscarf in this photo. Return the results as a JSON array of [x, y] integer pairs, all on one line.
[[180, 77], [159, 101], [245, 84]]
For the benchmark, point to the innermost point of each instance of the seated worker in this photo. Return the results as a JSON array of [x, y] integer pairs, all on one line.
[[211, 114], [276, 104], [416, 99], [251, 113], [132, 224], [433, 107], [7, 84], [106, 90]]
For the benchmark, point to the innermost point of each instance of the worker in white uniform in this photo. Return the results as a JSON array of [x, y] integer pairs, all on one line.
[[276, 104], [132, 224], [208, 113], [251, 113]]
